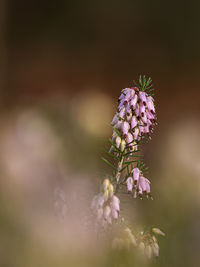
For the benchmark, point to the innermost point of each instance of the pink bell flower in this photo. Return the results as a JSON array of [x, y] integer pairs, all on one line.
[[129, 138], [136, 175], [134, 122], [133, 102], [142, 110], [122, 113], [137, 111], [144, 118], [150, 104], [118, 125], [143, 97], [115, 120], [129, 183], [125, 128]]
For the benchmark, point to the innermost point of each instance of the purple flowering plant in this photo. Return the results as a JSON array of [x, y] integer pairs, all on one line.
[[132, 124]]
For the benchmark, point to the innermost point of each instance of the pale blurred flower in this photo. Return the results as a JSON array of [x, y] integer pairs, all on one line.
[[106, 205], [158, 231]]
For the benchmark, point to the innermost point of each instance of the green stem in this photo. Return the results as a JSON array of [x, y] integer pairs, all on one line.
[[119, 168]]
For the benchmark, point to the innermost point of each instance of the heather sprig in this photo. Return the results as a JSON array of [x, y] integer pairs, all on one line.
[[132, 124]]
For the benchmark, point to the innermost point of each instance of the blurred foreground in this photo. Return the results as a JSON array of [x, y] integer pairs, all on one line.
[[51, 169]]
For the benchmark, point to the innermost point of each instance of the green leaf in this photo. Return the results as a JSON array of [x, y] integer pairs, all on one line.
[[110, 164], [129, 162], [134, 82], [123, 169], [148, 81], [130, 154], [109, 154], [118, 150], [117, 132], [140, 80], [127, 169], [138, 156], [152, 89], [120, 118], [131, 165]]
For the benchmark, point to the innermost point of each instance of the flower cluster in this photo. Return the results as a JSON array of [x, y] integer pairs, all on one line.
[[132, 125], [147, 242], [106, 205], [139, 183], [134, 118]]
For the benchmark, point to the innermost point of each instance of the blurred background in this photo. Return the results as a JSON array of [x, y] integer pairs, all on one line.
[[63, 64]]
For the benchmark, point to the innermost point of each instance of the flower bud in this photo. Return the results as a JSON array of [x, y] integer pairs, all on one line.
[[106, 184], [111, 190], [106, 194], [157, 231], [118, 141], [123, 145], [154, 239]]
